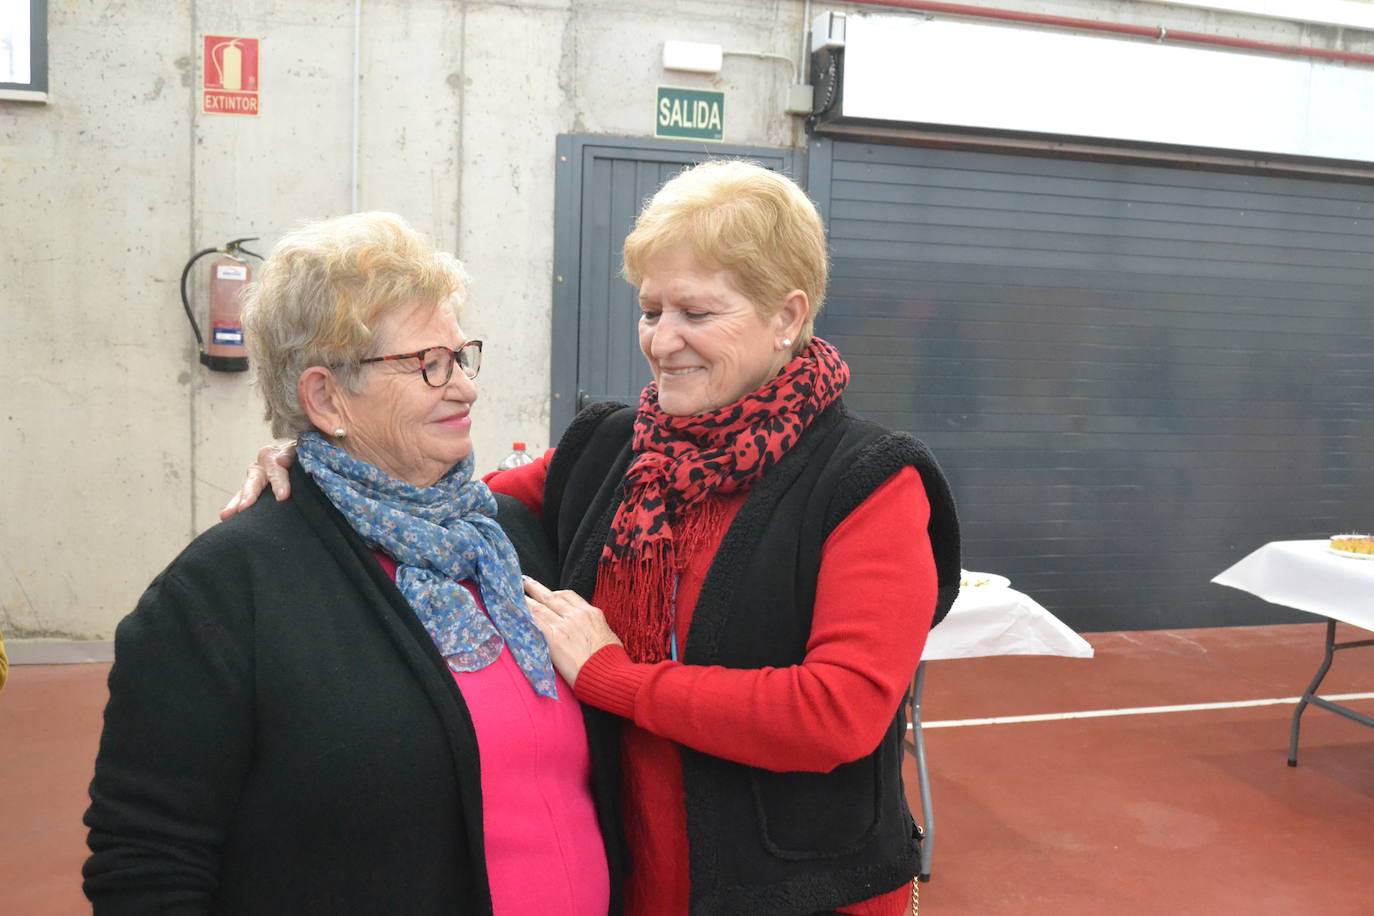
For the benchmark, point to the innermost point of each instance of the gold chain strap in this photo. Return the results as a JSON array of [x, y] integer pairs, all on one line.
[[916, 878]]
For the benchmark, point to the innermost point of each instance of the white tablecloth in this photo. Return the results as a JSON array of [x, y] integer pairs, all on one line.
[[1306, 575], [998, 620]]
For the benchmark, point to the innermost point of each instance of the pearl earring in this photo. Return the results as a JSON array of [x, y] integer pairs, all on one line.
[[340, 433], [786, 342]]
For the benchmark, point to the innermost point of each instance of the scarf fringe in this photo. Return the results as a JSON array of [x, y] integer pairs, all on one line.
[[637, 592], [630, 591]]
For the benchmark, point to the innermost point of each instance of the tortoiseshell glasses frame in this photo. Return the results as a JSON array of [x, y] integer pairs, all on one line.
[[436, 363]]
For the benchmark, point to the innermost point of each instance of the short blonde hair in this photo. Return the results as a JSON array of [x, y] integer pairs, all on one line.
[[322, 294], [742, 217]]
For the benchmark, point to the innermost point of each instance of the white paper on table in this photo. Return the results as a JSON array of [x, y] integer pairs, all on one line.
[[990, 620], [1306, 575]]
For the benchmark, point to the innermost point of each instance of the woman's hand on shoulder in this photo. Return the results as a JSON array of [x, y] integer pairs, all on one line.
[[269, 469], [575, 630]]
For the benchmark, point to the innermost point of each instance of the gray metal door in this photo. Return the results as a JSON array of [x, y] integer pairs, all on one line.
[[1133, 374], [601, 184]]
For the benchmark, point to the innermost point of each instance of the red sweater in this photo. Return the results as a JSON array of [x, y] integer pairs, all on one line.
[[832, 708]]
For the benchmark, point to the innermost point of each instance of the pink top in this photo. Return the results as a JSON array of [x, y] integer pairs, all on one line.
[[544, 849]]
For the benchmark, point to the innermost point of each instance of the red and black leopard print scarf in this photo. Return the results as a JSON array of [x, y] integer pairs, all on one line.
[[679, 464]]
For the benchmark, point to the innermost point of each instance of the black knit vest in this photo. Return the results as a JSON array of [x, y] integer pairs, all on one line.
[[763, 842]]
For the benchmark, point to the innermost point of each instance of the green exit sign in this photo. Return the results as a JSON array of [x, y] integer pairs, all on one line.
[[692, 114]]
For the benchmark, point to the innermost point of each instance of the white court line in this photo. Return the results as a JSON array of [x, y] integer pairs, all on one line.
[[1137, 711]]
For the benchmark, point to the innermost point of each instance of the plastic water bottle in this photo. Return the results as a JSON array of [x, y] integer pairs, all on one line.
[[516, 458]]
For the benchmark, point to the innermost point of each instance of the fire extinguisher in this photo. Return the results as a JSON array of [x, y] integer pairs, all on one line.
[[228, 277]]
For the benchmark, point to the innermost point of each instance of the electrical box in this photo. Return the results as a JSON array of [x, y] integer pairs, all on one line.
[[800, 99], [827, 32]]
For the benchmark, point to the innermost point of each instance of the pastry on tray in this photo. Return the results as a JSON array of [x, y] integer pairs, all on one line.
[[1353, 543]]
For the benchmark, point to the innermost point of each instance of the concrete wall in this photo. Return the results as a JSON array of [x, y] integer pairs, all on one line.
[[119, 447]]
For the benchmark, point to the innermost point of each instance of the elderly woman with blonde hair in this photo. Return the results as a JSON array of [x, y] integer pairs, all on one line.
[[748, 571], [341, 704]]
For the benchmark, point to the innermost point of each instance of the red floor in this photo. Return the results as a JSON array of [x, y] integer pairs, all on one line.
[[1177, 813]]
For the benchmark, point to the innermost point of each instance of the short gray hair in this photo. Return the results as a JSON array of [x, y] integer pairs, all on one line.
[[322, 294]]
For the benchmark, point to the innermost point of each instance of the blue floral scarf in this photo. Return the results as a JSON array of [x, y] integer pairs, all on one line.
[[440, 536]]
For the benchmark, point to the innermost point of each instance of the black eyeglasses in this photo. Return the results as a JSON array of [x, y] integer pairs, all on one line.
[[436, 363]]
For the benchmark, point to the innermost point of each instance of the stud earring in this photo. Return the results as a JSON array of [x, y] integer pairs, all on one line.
[[340, 433], [786, 342]]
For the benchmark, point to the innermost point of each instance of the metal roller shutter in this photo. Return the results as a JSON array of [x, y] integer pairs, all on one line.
[[1133, 374]]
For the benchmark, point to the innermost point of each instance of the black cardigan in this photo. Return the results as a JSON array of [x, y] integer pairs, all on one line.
[[283, 737]]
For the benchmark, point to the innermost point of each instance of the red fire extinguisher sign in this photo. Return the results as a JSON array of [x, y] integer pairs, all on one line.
[[230, 75]]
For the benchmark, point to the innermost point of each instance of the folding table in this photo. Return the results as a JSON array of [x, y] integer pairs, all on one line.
[[1310, 576], [985, 620]]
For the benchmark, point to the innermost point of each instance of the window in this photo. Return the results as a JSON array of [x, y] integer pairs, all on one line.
[[24, 50]]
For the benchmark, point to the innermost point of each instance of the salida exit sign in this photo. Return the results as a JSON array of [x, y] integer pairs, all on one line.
[[691, 114]]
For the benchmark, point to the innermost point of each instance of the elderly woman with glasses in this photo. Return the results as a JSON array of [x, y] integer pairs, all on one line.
[[341, 704]]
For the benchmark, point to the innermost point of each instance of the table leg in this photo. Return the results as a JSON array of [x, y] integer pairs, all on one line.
[[1310, 696], [1311, 689]]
